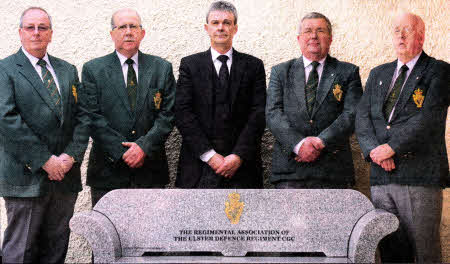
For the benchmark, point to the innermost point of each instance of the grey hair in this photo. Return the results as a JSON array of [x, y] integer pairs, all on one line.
[[34, 8], [223, 6], [313, 15], [125, 9]]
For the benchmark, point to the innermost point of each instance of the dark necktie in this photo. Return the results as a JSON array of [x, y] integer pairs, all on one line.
[[395, 92], [131, 83], [311, 87], [224, 74], [49, 82]]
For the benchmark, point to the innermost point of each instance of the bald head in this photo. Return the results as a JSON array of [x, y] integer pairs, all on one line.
[[408, 36], [125, 11]]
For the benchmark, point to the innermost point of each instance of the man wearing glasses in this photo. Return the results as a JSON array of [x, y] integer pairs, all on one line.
[[130, 97], [400, 124], [311, 105], [43, 137]]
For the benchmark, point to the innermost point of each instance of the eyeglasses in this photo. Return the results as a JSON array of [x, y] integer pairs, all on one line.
[[406, 31], [309, 32], [33, 28], [132, 27]]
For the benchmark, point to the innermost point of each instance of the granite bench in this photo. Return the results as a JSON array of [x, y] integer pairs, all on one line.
[[164, 225]]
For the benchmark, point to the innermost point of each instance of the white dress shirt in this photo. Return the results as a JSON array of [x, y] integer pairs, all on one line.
[[205, 157], [38, 69], [124, 65], [308, 68], [410, 65]]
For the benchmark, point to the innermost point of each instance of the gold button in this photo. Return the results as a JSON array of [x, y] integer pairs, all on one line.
[[388, 127], [310, 121], [133, 132]]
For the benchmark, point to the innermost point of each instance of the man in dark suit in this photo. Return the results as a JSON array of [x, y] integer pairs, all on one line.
[[43, 137], [131, 95], [311, 104], [220, 110], [400, 126]]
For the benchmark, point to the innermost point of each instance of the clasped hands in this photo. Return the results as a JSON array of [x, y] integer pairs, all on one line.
[[382, 155], [134, 157], [310, 150], [225, 166], [57, 166]]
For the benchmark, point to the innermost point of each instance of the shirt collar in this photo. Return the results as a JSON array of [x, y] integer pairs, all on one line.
[[410, 63], [215, 54], [307, 62], [35, 60], [122, 58]]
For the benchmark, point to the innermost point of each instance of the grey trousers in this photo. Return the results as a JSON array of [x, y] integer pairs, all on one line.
[[38, 228], [419, 211]]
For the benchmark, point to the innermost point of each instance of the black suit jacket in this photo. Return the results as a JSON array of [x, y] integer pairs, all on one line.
[[332, 120], [113, 121], [194, 115], [416, 131]]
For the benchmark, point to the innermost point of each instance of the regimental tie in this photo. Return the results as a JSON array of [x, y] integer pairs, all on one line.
[[395, 92], [311, 87], [224, 74], [131, 84], [49, 82]]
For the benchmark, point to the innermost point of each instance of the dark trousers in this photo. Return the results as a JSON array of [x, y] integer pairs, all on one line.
[[419, 210], [297, 184], [38, 227], [97, 194]]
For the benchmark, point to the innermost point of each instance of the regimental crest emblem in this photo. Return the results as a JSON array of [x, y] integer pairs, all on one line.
[[234, 208], [74, 92], [157, 99], [418, 97], [337, 91]]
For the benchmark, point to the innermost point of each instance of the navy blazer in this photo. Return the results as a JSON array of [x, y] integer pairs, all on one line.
[[332, 120], [416, 131]]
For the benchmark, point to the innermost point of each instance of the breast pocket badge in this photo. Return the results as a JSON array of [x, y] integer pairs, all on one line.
[[157, 99], [74, 92], [337, 92], [418, 97]]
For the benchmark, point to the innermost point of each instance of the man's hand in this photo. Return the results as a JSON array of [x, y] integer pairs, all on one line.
[[216, 161], [381, 153], [230, 165], [54, 168], [67, 162], [310, 150], [134, 156], [388, 164]]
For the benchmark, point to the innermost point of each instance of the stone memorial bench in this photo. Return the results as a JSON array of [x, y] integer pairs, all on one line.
[[164, 225]]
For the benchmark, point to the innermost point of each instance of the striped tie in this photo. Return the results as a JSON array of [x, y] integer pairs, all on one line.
[[311, 87], [395, 92], [49, 82]]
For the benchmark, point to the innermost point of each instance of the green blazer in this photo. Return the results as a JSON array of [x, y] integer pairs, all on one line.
[[32, 129], [332, 120], [113, 122]]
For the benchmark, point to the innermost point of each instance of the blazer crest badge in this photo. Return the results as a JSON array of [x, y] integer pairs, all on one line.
[[74, 92], [337, 91], [418, 97], [234, 208], [157, 99]]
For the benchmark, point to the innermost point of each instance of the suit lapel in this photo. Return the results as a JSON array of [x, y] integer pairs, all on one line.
[[117, 83], [28, 72], [237, 70], [296, 82], [205, 71], [145, 76], [411, 83], [325, 83], [63, 82], [383, 83]]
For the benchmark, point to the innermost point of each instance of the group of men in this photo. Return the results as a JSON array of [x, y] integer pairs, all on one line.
[[128, 102]]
